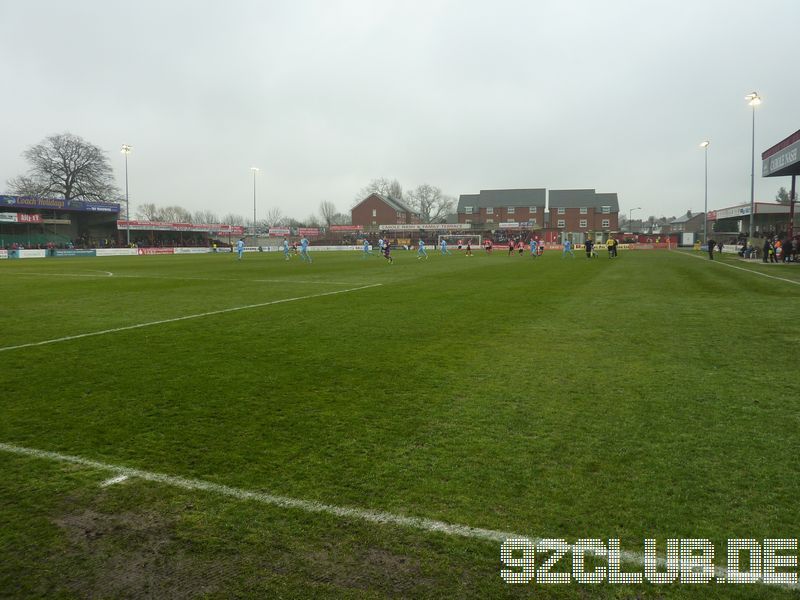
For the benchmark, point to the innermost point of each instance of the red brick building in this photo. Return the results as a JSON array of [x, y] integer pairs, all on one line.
[[564, 214], [577, 213], [375, 210], [491, 207]]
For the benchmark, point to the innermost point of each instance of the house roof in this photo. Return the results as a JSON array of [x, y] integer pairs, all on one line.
[[499, 198], [607, 199], [582, 199], [395, 204], [684, 218]]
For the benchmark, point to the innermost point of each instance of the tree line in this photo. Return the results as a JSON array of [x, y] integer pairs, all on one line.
[[67, 166]]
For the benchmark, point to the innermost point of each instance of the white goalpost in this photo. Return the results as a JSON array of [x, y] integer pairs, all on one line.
[[452, 240]]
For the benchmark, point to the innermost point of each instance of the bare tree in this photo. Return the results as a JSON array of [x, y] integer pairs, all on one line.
[[67, 166], [342, 219], [174, 214], [275, 217], [290, 222], [327, 211], [147, 212], [205, 217], [312, 221], [232, 219], [389, 188], [430, 203]]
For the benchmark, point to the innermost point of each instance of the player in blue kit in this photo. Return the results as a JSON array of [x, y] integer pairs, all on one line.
[[367, 252], [304, 250], [240, 248], [443, 247], [421, 253], [568, 249], [286, 249]]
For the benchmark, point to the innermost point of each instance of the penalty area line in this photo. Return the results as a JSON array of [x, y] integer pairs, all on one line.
[[185, 318]]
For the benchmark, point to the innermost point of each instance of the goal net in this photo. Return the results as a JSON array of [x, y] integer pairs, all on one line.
[[453, 241]]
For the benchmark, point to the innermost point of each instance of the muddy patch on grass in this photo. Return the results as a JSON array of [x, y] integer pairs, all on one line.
[[374, 568], [134, 555]]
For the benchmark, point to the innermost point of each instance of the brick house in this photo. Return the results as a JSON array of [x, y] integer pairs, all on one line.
[[688, 223], [491, 207], [576, 213], [376, 210]]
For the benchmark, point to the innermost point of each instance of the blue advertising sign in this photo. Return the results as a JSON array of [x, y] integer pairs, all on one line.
[[78, 252], [59, 204]]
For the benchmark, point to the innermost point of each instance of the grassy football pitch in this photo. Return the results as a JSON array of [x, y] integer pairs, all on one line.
[[651, 396]]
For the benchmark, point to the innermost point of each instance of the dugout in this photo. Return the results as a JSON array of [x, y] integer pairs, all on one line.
[[38, 222], [783, 160]]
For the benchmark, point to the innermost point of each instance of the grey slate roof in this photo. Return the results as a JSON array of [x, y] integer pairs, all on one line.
[[582, 199], [607, 199], [684, 218], [397, 205], [571, 198], [499, 198]]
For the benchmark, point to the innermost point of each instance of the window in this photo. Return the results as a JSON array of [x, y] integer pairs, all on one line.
[[561, 223], [374, 222], [467, 221], [533, 209], [533, 222], [606, 210], [489, 210], [561, 210], [468, 210], [605, 223], [583, 223], [374, 212], [490, 220], [584, 210], [511, 210], [399, 215]]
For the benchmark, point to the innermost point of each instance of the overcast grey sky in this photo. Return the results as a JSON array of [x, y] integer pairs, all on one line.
[[325, 95]]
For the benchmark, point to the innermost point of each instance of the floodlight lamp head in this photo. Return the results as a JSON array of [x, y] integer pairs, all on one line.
[[753, 99]]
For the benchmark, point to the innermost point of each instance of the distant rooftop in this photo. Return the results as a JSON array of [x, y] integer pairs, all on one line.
[[499, 198], [395, 204], [578, 198], [582, 198]]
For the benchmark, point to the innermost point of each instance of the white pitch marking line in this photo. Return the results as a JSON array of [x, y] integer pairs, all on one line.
[[719, 262], [361, 514], [62, 274], [117, 276], [185, 318], [114, 480], [372, 516]]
